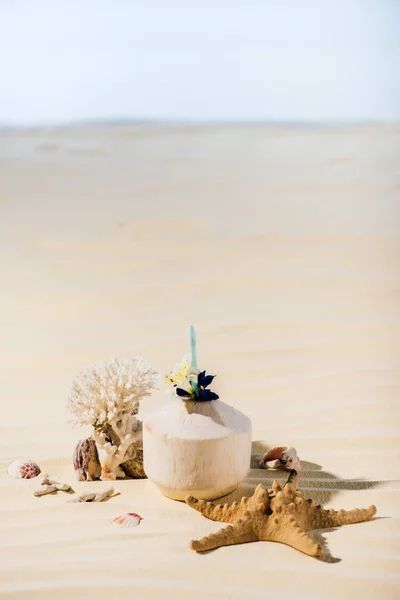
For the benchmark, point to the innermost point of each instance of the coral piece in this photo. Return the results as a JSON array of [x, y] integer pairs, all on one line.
[[86, 461], [107, 397], [51, 486], [86, 497], [95, 497], [276, 515], [281, 457], [23, 469], [103, 496], [127, 520], [49, 489], [63, 487]]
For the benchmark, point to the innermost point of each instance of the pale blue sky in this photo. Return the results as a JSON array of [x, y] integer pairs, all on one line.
[[288, 60]]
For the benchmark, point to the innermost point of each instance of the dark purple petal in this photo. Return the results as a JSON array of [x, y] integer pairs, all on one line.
[[207, 395], [182, 393], [203, 395], [205, 381]]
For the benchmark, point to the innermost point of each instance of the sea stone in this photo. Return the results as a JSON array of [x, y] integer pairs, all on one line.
[[134, 466], [86, 461]]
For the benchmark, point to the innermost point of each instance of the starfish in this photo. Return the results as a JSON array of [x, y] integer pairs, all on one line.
[[280, 514]]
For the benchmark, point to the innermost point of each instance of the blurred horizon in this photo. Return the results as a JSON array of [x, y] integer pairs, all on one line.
[[110, 62], [160, 123]]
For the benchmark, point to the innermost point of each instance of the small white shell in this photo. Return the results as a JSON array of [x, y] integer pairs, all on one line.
[[23, 468], [127, 520]]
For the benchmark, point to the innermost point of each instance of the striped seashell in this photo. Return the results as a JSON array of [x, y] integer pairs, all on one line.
[[23, 469], [127, 520]]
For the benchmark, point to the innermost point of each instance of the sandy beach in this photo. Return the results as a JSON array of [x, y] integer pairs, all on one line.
[[282, 245]]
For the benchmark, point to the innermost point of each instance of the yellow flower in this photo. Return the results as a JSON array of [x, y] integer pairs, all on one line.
[[182, 374]]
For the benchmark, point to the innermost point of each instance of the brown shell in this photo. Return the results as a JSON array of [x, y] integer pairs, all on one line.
[[86, 460]]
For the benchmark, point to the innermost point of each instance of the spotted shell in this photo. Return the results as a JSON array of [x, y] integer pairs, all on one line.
[[127, 520], [23, 469]]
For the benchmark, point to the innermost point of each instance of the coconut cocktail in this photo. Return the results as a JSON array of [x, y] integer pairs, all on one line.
[[195, 443]]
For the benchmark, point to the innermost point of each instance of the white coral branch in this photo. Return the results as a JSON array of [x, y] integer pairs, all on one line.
[[107, 397], [109, 388], [111, 456]]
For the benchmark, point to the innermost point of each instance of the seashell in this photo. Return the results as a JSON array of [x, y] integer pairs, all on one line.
[[127, 520], [23, 469], [280, 457]]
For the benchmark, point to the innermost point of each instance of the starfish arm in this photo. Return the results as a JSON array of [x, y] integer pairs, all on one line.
[[226, 513], [240, 533], [286, 531], [290, 487], [319, 518]]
